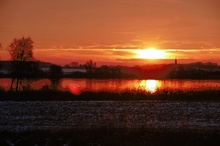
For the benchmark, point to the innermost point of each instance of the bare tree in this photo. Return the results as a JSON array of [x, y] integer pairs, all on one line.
[[20, 52], [90, 66], [55, 75]]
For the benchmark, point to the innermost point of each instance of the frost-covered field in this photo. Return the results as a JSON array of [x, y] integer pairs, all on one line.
[[34, 115]]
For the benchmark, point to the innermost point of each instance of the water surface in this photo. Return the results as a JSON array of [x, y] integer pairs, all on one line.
[[128, 84]]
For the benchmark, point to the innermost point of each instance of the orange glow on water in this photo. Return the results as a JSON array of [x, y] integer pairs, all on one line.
[[120, 85]]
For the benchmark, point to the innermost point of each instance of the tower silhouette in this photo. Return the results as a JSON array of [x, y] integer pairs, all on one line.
[[175, 62]]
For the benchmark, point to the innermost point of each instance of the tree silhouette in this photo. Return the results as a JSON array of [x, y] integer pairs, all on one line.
[[55, 74], [22, 59], [90, 66], [21, 49]]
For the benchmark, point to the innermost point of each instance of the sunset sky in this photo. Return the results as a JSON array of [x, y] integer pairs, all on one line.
[[112, 31]]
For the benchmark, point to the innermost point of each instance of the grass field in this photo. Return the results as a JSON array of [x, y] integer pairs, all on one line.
[[103, 123], [103, 118]]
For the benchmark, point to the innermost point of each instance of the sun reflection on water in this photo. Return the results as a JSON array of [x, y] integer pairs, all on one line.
[[150, 85]]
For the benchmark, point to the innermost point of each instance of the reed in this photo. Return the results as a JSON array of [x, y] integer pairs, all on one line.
[[127, 94]]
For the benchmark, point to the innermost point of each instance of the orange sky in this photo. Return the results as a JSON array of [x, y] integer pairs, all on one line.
[[108, 31]]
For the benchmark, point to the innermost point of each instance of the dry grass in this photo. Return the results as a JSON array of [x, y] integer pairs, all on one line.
[[128, 94]]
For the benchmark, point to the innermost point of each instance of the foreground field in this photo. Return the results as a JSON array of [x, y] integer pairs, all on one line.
[[109, 123], [41, 115], [145, 122]]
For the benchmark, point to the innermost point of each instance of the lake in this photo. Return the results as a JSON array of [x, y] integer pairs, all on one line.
[[123, 84]]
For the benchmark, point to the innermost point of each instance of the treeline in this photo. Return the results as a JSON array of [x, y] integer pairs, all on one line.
[[27, 69], [196, 70], [33, 69]]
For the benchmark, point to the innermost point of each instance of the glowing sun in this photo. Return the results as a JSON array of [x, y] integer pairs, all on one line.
[[150, 53]]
